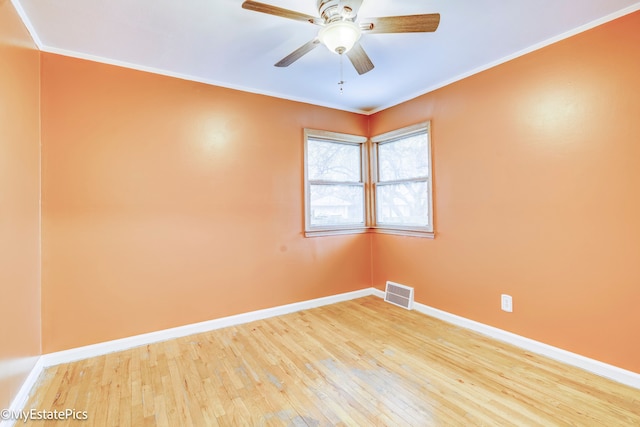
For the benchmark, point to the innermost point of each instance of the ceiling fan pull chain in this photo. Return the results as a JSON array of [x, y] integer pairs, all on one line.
[[341, 82]]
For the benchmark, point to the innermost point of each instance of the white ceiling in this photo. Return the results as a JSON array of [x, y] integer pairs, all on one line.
[[218, 42]]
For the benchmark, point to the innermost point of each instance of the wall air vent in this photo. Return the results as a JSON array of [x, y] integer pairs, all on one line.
[[399, 295]]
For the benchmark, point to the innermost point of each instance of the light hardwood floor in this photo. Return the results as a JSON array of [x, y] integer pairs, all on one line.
[[358, 363]]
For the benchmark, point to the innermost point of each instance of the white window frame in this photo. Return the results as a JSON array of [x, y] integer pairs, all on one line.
[[340, 138], [376, 141]]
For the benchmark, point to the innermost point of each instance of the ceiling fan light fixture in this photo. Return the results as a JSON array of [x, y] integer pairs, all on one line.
[[340, 36]]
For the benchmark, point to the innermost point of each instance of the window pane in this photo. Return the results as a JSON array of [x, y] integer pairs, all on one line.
[[333, 161], [336, 205], [404, 159], [403, 204]]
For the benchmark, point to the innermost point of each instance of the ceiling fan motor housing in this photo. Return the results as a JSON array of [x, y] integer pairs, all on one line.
[[332, 11]]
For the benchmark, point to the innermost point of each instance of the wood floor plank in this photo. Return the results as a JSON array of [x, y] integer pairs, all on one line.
[[356, 363]]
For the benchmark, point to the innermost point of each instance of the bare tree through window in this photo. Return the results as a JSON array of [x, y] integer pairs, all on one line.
[[403, 187], [335, 187]]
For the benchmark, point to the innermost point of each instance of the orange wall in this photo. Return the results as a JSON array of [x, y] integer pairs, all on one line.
[[167, 202], [19, 203], [537, 194]]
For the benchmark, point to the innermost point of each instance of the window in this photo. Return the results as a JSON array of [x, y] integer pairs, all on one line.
[[402, 181], [335, 172], [342, 197]]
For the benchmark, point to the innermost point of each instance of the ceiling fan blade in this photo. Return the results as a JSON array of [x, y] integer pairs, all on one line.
[[298, 53], [360, 60], [278, 11], [426, 23]]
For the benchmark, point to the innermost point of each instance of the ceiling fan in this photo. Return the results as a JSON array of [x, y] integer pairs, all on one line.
[[341, 29]]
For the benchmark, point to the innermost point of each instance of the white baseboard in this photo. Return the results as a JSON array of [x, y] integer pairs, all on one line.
[[591, 365], [99, 349], [599, 368]]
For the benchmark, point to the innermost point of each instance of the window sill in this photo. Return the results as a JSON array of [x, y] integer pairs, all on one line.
[[375, 230], [404, 232], [334, 232]]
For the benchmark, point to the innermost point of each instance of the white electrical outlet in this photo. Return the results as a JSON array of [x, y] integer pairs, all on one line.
[[507, 303]]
